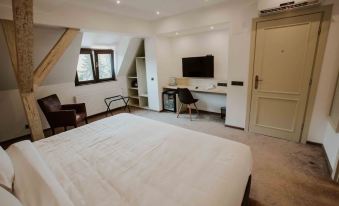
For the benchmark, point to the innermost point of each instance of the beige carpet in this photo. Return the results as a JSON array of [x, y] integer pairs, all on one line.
[[284, 173]]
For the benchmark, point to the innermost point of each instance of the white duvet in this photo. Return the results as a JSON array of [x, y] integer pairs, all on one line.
[[129, 160]]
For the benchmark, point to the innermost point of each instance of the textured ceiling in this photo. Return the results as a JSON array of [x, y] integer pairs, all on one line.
[[142, 9]]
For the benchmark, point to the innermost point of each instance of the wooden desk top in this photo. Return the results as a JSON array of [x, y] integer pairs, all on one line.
[[217, 90]]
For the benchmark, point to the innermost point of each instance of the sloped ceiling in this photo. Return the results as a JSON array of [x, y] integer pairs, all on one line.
[[44, 40]]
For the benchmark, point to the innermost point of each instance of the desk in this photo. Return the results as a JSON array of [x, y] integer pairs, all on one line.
[[217, 90], [210, 100]]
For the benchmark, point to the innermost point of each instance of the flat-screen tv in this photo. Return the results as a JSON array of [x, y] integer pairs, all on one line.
[[198, 66]]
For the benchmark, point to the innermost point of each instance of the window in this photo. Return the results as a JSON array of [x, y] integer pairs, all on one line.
[[104, 62], [93, 70], [85, 72]]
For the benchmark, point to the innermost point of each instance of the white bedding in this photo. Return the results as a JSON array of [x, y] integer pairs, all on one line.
[[34, 183], [129, 160]]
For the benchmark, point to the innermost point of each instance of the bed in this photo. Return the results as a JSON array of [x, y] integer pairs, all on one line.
[[126, 160]]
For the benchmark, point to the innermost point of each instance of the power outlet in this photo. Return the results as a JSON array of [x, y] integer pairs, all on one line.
[[222, 84]]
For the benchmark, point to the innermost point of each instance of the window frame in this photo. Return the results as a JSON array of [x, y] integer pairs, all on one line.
[[77, 82], [95, 66], [104, 51]]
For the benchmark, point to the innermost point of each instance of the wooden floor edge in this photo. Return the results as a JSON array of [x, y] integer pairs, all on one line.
[[234, 127]]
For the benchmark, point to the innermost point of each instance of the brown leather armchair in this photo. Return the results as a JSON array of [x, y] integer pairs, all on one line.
[[59, 115]]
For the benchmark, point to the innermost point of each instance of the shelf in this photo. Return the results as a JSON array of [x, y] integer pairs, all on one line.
[[132, 77], [143, 95], [136, 105], [140, 57], [136, 88], [133, 105], [134, 97]]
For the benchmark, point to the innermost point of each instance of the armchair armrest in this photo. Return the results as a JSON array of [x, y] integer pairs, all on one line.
[[62, 118], [79, 108]]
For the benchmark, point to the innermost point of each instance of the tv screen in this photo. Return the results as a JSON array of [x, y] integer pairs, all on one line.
[[198, 67]]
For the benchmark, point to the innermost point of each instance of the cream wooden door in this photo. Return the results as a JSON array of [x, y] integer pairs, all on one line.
[[284, 58]]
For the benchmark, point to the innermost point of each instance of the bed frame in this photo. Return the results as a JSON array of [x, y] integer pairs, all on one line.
[[246, 199]]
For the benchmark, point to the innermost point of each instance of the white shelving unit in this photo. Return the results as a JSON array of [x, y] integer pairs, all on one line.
[[138, 72]]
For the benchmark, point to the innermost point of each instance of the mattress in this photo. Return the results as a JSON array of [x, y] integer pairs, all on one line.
[[126, 160]]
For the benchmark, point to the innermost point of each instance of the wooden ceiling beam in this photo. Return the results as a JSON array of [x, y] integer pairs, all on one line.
[[9, 32], [54, 55]]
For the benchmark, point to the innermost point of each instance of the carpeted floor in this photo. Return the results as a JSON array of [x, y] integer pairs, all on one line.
[[284, 173]]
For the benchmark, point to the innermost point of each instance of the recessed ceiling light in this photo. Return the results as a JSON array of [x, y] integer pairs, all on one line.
[[212, 27], [158, 12], [118, 2]]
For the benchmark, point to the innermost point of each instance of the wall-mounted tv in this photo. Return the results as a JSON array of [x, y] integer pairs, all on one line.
[[198, 66]]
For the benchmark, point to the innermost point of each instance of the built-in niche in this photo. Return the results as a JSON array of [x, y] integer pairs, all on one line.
[[334, 112]]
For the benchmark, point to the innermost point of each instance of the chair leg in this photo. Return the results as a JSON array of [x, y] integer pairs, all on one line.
[[86, 120], [65, 128], [196, 108], [190, 111], [179, 110], [53, 130], [75, 126]]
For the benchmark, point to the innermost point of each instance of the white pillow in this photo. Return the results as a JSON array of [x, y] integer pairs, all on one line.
[[6, 171], [7, 198], [34, 183]]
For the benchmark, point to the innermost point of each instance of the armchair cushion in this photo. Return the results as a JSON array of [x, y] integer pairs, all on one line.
[[62, 118], [50, 103], [79, 108]]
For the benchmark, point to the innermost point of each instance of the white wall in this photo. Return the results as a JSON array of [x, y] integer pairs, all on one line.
[[327, 81], [201, 44], [60, 81], [214, 42], [45, 38], [239, 15], [321, 130], [331, 144]]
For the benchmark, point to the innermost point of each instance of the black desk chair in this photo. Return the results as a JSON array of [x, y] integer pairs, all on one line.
[[185, 97]]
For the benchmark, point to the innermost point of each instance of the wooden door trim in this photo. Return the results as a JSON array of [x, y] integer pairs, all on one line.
[[326, 12]]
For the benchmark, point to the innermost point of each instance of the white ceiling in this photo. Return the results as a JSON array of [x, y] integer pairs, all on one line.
[[142, 9], [101, 39]]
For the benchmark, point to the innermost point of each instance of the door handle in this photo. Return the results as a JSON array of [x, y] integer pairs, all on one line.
[[256, 81]]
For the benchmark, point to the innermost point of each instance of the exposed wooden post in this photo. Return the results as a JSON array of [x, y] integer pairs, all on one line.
[[33, 116], [54, 55], [23, 26], [21, 51]]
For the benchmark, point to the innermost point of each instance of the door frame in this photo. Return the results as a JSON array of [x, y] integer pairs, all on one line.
[[326, 12]]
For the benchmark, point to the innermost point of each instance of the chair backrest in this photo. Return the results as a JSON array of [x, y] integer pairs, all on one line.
[[185, 96], [49, 104]]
